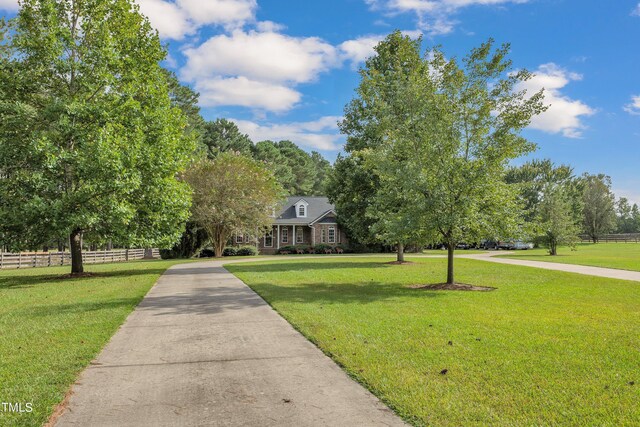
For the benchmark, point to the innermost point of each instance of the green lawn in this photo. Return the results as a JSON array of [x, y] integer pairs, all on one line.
[[50, 329], [625, 256], [545, 348]]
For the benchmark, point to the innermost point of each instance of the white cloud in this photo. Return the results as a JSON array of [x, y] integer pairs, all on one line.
[[10, 5], [634, 106], [241, 91], [256, 69], [636, 11], [358, 50], [180, 18], [434, 16], [264, 56], [321, 134], [564, 114]]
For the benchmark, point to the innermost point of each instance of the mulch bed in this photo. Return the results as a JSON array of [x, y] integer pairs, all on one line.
[[454, 287], [399, 263]]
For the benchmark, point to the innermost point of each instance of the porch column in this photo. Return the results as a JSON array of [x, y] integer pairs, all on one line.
[[295, 240], [278, 244], [313, 235]]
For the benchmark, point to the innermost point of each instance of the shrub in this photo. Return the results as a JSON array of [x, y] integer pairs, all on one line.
[[290, 248], [246, 251], [229, 251], [321, 248], [206, 253]]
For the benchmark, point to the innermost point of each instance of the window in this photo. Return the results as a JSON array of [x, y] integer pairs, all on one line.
[[323, 236], [238, 238], [268, 240], [302, 210], [299, 235], [285, 235], [247, 239], [332, 234]]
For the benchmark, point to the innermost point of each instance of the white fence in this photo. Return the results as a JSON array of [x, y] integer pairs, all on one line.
[[48, 259]]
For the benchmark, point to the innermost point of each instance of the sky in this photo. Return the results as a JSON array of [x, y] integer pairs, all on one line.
[[284, 69]]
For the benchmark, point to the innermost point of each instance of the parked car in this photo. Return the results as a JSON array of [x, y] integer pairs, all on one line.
[[505, 244], [522, 245], [488, 244]]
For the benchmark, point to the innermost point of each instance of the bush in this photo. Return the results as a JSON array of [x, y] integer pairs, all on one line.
[[206, 253], [321, 248], [246, 251], [291, 249], [229, 251]]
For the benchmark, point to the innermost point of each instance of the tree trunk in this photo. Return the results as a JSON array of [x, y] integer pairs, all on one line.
[[400, 252], [75, 245], [450, 248], [595, 239]]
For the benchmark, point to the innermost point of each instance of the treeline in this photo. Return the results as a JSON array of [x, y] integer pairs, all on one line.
[[553, 196]]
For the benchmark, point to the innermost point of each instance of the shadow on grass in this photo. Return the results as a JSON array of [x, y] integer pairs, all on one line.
[[21, 282], [80, 307], [221, 299], [305, 266]]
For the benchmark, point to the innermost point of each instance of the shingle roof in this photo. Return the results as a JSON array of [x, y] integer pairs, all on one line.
[[318, 206]]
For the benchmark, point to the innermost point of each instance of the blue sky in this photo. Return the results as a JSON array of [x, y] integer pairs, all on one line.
[[284, 69]]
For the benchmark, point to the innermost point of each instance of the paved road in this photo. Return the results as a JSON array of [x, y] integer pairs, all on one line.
[[204, 349], [611, 273]]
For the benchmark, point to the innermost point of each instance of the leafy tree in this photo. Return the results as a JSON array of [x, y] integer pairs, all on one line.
[[223, 135], [442, 134], [627, 216], [556, 222], [534, 176], [186, 99], [302, 168], [89, 140], [599, 206], [350, 187], [232, 194], [269, 153], [322, 168]]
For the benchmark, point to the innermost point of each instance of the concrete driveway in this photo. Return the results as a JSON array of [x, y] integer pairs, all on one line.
[[203, 349]]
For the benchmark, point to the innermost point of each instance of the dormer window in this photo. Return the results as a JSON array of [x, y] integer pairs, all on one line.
[[301, 208]]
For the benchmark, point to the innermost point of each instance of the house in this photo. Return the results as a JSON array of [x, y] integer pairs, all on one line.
[[301, 221]]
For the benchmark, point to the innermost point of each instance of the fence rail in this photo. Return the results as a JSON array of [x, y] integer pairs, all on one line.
[[614, 238], [48, 259]]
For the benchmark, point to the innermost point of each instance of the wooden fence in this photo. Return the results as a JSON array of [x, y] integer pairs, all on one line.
[[48, 259], [614, 238]]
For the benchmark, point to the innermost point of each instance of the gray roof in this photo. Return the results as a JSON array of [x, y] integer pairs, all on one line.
[[318, 206]]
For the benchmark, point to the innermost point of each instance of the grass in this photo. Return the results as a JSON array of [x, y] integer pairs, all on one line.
[[545, 348], [624, 256], [50, 329]]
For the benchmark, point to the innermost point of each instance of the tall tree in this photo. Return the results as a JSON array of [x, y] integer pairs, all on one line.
[[302, 168], [223, 135], [89, 140], [443, 133], [186, 99], [556, 223], [599, 206], [232, 194], [268, 153], [350, 187], [322, 169], [532, 177]]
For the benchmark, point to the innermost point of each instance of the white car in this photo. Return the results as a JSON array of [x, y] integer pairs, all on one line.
[[522, 245]]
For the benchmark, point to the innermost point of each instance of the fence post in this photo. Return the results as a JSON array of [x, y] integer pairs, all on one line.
[[126, 255], [19, 259], [35, 259], [1, 258]]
